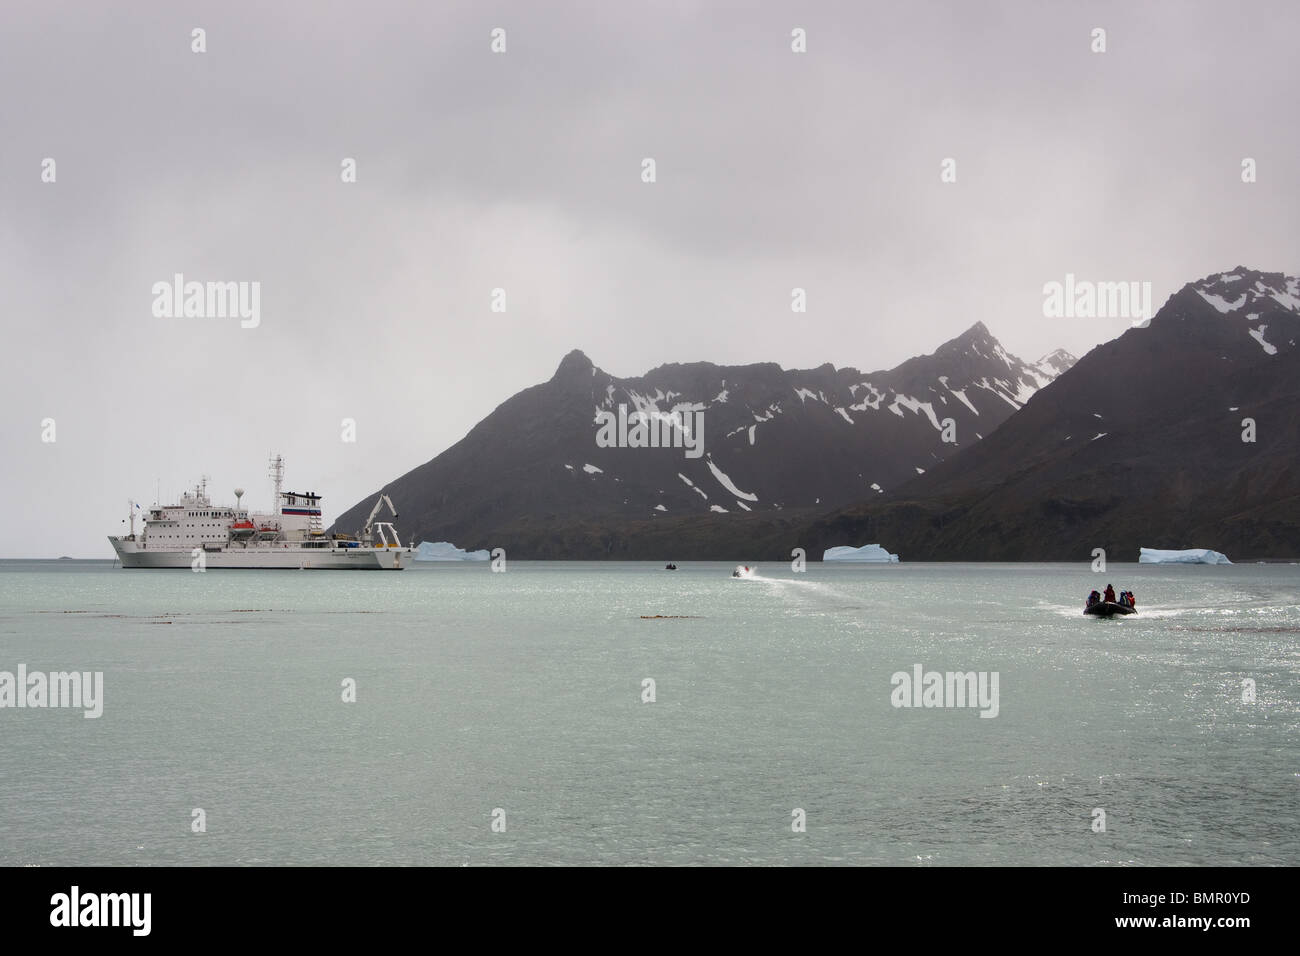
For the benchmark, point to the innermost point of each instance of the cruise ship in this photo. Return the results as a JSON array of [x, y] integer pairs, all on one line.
[[198, 535]]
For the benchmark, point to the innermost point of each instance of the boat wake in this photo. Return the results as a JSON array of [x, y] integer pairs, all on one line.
[[1076, 610]]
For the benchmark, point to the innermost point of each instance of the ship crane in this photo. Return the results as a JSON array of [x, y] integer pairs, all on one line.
[[366, 532]]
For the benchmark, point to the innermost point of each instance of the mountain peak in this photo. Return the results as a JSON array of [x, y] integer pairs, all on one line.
[[573, 365], [1247, 292], [1055, 362], [977, 338]]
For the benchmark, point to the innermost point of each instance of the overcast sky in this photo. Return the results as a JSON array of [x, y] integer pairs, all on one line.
[[523, 170]]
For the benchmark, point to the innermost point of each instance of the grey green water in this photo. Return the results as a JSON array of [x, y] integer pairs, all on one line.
[[523, 691]]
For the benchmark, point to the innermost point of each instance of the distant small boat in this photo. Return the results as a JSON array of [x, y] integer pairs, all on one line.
[[670, 567], [1109, 609], [743, 571]]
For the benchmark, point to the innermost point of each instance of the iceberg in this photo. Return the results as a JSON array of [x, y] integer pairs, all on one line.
[[446, 551], [1190, 556], [868, 552]]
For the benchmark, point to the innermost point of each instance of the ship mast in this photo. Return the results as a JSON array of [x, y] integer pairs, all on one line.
[[277, 475]]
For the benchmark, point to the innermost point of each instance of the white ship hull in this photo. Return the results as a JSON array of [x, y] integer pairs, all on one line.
[[265, 557], [195, 534]]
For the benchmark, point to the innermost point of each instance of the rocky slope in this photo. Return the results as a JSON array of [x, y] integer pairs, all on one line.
[[533, 477], [1140, 443]]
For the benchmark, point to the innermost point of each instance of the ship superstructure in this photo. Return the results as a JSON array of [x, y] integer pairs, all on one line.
[[195, 533]]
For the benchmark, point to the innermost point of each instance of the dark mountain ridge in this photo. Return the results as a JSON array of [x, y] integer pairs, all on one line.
[[1139, 444], [533, 474]]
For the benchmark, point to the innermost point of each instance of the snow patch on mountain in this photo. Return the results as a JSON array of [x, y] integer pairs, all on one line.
[[1225, 294], [1258, 336], [726, 481], [690, 484], [1289, 299], [1000, 390], [1000, 352], [961, 394], [871, 401], [1220, 303], [1025, 392], [914, 405], [1040, 378]]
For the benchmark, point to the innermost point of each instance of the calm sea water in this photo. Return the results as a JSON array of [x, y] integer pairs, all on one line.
[[523, 691]]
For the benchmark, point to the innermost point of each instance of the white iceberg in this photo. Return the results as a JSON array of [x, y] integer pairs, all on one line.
[[1190, 556], [868, 552], [446, 551]]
